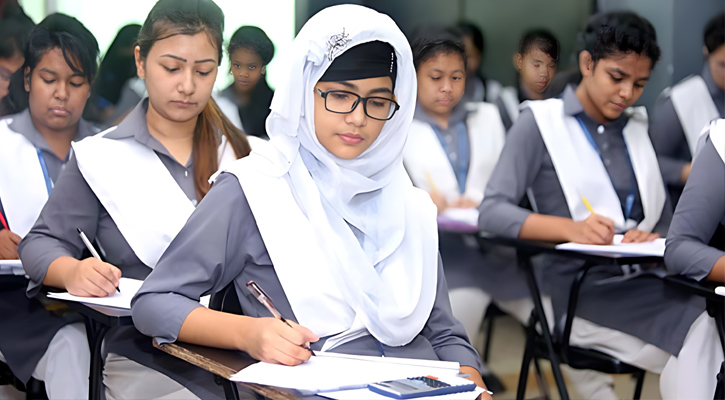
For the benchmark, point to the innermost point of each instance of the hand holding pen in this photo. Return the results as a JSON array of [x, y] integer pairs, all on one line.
[[273, 342], [90, 277]]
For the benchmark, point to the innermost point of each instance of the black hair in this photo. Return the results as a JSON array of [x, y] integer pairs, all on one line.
[[252, 38], [56, 31], [470, 29], [540, 39], [715, 33], [431, 42], [118, 64], [15, 27], [631, 33], [182, 17]]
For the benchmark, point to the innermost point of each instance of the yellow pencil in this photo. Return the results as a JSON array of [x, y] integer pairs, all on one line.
[[430, 182], [589, 206]]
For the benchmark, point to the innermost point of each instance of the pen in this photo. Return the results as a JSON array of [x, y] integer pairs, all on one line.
[[430, 182], [589, 206], [263, 298], [90, 248]]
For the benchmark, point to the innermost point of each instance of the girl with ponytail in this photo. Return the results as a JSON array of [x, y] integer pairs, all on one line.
[[132, 187]]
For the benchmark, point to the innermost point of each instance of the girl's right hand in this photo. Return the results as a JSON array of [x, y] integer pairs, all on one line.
[[93, 278], [596, 229], [272, 341], [439, 200], [9, 245]]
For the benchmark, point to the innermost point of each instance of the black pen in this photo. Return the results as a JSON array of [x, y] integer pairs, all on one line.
[[90, 248], [260, 295]]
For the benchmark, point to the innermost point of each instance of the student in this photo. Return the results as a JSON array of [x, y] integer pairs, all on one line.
[[250, 50], [591, 144], [15, 28], [324, 219], [117, 68], [132, 188], [536, 64], [451, 151], [478, 88], [700, 210], [59, 66], [684, 110]]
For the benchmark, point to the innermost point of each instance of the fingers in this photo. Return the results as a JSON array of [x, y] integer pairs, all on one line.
[[108, 271], [604, 221], [15, 238], [636, 236], [310, 336], [652, 236]]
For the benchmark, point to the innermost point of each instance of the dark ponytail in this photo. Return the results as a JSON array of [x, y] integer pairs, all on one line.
[[189, 17]]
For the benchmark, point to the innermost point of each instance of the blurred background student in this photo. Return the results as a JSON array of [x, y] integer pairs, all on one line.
[[250, 50], [685, 110], [117, 69], [536, 64], [478, 87], [15, 27]]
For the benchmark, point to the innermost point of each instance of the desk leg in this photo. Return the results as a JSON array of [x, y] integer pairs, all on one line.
[[525, 263], [96, 373]]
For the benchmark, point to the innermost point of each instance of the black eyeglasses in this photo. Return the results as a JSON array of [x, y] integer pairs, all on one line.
[[344, 102]]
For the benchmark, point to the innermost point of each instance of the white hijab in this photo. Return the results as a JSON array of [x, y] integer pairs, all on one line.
[[387, 274]]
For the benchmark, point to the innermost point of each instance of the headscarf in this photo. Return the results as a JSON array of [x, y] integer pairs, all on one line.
[[377, 232]]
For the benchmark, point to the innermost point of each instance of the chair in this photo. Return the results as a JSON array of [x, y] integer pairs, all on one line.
[[575, 357], [34, 389]]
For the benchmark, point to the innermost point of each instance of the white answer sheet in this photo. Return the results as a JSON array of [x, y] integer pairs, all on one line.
[[127, 286], [655, 248], [329, 373]]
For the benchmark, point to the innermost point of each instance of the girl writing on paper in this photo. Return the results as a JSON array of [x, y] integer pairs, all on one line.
[[132, 187], [324, 219], [591, 144], [250, 50], [60, 63], [686, 109], [536, 63], [451, 151], [692, 250]]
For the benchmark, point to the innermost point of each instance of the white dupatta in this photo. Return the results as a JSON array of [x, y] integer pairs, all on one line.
[[353, 243], [581, 171], [694, 107]]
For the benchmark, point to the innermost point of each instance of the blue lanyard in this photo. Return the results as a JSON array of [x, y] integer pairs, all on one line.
[[633, 185], [44, 167], [460, 167]]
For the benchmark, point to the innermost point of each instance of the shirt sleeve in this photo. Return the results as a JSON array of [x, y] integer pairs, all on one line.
[[208, 254], [668, 139], [515, 171], [700, 209], [445, 333], [71, 205]]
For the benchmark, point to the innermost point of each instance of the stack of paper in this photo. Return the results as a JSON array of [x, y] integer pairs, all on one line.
[[11, 267], [329, 372], [655, 248], [127, 286], [459, 219]]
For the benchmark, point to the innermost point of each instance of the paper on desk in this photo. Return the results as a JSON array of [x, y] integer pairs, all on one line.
[[655, 248], [325, 374], [11, 267], [459, 219], [127, 286]]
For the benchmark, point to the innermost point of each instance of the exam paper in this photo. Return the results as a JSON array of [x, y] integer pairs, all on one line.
[[127, 286], [459, 219], [655, 248], [329, 373]]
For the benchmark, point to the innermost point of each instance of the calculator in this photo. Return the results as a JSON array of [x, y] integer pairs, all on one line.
[[421, 386]]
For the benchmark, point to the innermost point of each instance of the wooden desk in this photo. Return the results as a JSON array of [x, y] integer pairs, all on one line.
[[99, 319], [225, 363], [525, 250]]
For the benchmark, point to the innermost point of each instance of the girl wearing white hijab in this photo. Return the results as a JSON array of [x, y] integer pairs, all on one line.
[[325, 218]]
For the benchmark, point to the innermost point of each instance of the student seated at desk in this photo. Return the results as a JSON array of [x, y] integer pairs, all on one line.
[[132, 188], [700, 210], [35, 142], [451, 151], [684, 110], [592, 144], [324, 219]]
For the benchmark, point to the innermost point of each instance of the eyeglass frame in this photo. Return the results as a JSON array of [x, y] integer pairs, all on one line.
[[364, 101]]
